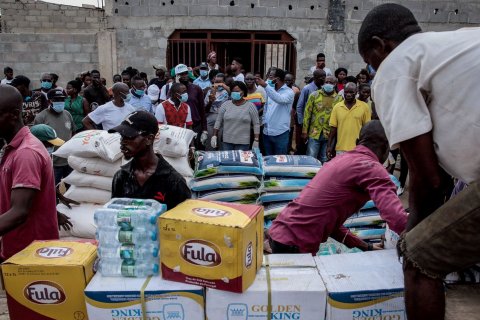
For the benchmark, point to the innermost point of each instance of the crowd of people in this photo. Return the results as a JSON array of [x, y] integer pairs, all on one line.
[[418, 105]]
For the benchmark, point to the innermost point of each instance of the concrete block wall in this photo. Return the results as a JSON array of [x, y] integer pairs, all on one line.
[[30, 16], [32, 54]]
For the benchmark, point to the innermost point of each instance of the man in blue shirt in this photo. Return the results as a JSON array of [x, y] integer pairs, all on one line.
[[203, 81], [138, 99], [276, 112]]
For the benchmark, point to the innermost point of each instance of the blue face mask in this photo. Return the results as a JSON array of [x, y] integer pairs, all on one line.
[[328, 87], [58, 106], [271, 83], [203, 73], [220, 89], [46, 85], [139, 92], [27, 99], [236, 96], [184, 97]]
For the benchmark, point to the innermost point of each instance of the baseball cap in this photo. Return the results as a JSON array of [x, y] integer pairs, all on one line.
[[45, 133], [180, 68], [159, 67], [153, 92], [19, 80], [55, 93], [203, 65], [137, 122]]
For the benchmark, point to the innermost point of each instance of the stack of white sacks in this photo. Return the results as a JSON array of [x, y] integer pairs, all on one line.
[[285, 177], [94, 156], [228, 176], [127, 237], [173, 143]]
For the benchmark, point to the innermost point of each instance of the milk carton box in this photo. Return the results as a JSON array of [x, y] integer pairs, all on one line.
[[286, 287], [365, 285], [213, 244], [143, 298], [46, 280]]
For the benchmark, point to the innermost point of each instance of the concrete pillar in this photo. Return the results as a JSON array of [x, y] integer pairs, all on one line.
[[107, 54]]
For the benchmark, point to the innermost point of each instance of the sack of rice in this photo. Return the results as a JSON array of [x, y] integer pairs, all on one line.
[[81, 217], [210, 163], [181, 165], [291, 166], [79, 179], [369, 217], [278, 196], [284, 184], [88, 195], [245, 196], [225, 182], [173, 141], [94, 166], [272, 210], [91, 144], [365, 233]]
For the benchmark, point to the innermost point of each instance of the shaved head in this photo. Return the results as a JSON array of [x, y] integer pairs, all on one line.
[[119, 86], [319, 73], [10, 99]]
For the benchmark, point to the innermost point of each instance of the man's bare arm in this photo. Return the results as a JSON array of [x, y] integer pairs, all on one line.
[[21, 201]]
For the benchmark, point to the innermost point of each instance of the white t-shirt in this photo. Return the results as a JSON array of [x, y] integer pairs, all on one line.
[[109, 115], [5, 81], [240, 77], [428, 83], [328, 72]]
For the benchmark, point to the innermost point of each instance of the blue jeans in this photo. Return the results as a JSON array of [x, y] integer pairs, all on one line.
[[276, 144], [233, 146], [317, 148]]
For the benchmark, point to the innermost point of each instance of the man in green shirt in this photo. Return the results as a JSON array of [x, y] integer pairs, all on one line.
[[317, 117]]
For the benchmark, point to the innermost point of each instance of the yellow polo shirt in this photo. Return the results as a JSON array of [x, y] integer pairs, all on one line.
[[348, 123]]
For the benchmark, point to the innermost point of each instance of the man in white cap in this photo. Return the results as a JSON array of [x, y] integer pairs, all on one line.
[[153, 93], [197, 106]]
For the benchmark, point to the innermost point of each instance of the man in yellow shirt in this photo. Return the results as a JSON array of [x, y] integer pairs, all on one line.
[[346, 120]]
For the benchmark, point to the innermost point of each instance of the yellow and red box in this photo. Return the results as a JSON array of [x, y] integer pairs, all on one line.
[[46, 280], [213, 244]]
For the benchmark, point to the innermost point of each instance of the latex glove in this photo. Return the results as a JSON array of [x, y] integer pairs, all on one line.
[[255, 144], [204, 137], [213, 142]]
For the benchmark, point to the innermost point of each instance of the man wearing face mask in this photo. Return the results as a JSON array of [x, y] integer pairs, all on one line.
[[33, 101], [175, 111], [203, 81], [46, 83], [62, 122], [112, 113], [137, 97], [316, 121], [148, 175], [197, 106], [276, 112]]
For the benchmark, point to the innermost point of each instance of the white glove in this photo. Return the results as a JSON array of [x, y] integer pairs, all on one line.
[[255, 144], [213, 142], [204, 137]]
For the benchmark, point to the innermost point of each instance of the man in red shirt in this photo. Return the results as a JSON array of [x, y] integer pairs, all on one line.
[[339, 190], [27, 189], [175, 111]]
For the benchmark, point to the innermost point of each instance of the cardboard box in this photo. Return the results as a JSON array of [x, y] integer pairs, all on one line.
[[120, 298], [296, 292], [366, 285], [213, 244], [46, 280]]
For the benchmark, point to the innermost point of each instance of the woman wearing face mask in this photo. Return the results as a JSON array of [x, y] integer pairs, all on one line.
[[62, 122], [76, 104], [236, 117], [175, 111]]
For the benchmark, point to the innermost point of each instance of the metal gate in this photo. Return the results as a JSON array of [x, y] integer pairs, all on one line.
[[259, 50]]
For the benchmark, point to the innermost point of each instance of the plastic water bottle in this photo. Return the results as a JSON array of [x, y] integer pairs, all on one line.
[[128, 268], [126, 219], [128, 251], [114, 235], [119, 203]]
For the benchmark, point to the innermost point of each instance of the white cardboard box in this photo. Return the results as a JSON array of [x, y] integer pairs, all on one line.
[[119, 298], [365, 285], [297, 292]]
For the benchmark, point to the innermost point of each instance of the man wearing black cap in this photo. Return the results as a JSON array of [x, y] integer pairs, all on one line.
[[62, 122], [148, 175], [203, 81], [33, 102]]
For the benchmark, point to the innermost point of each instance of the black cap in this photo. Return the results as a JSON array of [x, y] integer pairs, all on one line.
[[55, 93], [19, 80], [138, 122], [203, 65]]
